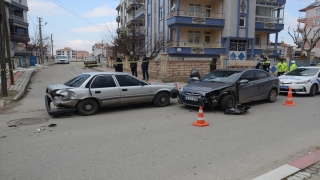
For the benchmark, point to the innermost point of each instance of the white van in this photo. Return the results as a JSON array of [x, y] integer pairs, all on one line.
[[63, 60]]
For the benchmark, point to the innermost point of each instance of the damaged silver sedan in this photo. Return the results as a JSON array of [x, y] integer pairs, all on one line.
[[87, 92], [229, 88]]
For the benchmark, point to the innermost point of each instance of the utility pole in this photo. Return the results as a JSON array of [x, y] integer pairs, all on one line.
[[76, 53], [51, 47], [6, 38], [2, 56], [41, 45]]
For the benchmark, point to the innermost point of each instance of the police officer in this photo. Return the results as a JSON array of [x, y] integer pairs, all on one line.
[[266, 64], [293, 65], [282, 67]]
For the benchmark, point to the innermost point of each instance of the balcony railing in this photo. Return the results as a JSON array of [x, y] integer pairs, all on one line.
[[142, 8], [266, 46], [196, 14], [200, 44], [118, 19], [18, 18], [302, 19], [269, 19]]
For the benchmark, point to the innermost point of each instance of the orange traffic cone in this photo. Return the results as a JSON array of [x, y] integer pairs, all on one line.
[[200, 122], [289, 101]]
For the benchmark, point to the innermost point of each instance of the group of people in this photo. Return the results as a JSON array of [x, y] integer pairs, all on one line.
[[282, 67], [133, 60]]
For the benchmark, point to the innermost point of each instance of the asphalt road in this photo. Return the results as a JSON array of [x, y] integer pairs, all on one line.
[[147, 142]]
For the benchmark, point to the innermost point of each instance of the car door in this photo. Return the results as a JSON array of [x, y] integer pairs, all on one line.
[[132, 90], [264, 83], [248, 90], [104, 88]]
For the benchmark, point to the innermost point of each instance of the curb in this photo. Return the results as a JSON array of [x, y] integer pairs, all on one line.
[[292, 167], [24, 87]]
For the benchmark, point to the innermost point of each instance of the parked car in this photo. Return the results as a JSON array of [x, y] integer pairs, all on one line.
[[303, 80], [229, 87], [63, 60], [90, 62], [87, 92]]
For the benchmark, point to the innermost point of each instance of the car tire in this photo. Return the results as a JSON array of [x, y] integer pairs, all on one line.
[[227, 102], [313, 90], [161, 99], [272, 96], [88, 107]]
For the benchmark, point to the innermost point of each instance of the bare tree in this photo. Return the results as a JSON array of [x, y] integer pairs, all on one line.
[[309, 38], [34, 45]]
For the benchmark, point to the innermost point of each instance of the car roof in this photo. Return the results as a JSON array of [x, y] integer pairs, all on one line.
[[105, 72], [310, 67], [232, 69]]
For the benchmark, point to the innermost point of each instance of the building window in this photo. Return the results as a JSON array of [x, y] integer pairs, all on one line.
[[208, 11], [242, 22], [316, 22], [315, 33], [194, 37], [194, 9], [318, 11], [238, 45], [257, 40], [149, 19], [207, 37]]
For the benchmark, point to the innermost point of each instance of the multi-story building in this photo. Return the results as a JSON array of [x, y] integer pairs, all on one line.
[[310, 19], [18, 26], [82, 54], [202, 29], [67, 51]]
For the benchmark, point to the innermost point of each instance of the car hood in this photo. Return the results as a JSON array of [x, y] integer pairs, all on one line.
[[204, 87], [286, 79], [59, 86]]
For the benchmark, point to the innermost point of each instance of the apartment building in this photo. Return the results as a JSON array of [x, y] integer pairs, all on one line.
[[202, 29], [67, 51], [310, 18], [81, 54], [18, 26]]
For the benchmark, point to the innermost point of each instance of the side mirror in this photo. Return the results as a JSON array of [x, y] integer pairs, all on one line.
[[242, 81], [195, 73]]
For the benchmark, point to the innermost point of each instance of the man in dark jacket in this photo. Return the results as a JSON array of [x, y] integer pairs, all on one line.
[[133, 64], [145, 67], [213, 64], [118, 66]]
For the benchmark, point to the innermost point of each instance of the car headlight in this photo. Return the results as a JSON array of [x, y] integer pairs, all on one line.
[[302, 82], [65, 94]]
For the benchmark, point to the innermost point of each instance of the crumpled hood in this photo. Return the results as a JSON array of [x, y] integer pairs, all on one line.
[[205, 87], [59, 86], [288, 79]]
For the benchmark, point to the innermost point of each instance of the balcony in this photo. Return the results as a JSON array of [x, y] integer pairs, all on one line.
[[302, 19], [131, 21], [16, 3], [131, 6], [140, 13], [200, 45], [18, 37], [118, 19], [266, 47], [269, 24], [195, 19]]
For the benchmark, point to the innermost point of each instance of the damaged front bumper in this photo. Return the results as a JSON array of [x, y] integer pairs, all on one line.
[[59, 112], [197, 101]]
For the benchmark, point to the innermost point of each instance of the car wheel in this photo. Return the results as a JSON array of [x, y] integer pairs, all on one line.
[[88, 107], [162, 99], [313, 90], [227, 102], [272, 96]]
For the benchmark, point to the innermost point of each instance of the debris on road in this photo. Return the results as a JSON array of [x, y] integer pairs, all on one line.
[[52, 125], [237, 111]]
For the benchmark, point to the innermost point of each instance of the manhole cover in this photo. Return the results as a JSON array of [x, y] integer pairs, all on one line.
[[27, 121]]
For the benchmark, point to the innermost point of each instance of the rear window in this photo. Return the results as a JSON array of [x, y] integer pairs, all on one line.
[[77, 81], [62, 57]]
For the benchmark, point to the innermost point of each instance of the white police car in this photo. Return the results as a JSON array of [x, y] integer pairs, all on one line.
[[303, 80]]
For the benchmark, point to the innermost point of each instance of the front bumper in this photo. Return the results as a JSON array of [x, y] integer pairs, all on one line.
[[182, 100], [57, 113], [296, 88], [174, 94]]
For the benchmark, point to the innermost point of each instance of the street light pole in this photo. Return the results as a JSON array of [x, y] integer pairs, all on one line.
[[41, 45]]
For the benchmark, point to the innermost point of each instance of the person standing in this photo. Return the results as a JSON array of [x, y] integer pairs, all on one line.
[[260, 64], [293, 65], [118, 65], [145, 67], [282, 67], [213, 64], [133, 64], [266, 64]]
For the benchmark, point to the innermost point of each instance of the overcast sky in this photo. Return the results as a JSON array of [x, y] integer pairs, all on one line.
[[79, 24]]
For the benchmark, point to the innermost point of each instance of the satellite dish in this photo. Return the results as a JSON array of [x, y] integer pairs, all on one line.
[[173, 7]]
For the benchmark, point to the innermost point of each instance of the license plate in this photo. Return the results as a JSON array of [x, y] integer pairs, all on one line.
[[190, 98], [284, 87]]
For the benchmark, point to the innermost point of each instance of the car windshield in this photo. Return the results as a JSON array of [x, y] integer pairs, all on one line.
[[221, 76], [303, 72], [62, 57], [77, 81]]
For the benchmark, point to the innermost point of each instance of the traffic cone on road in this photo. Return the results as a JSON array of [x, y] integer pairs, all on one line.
[[200, 122], [289, 101]]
